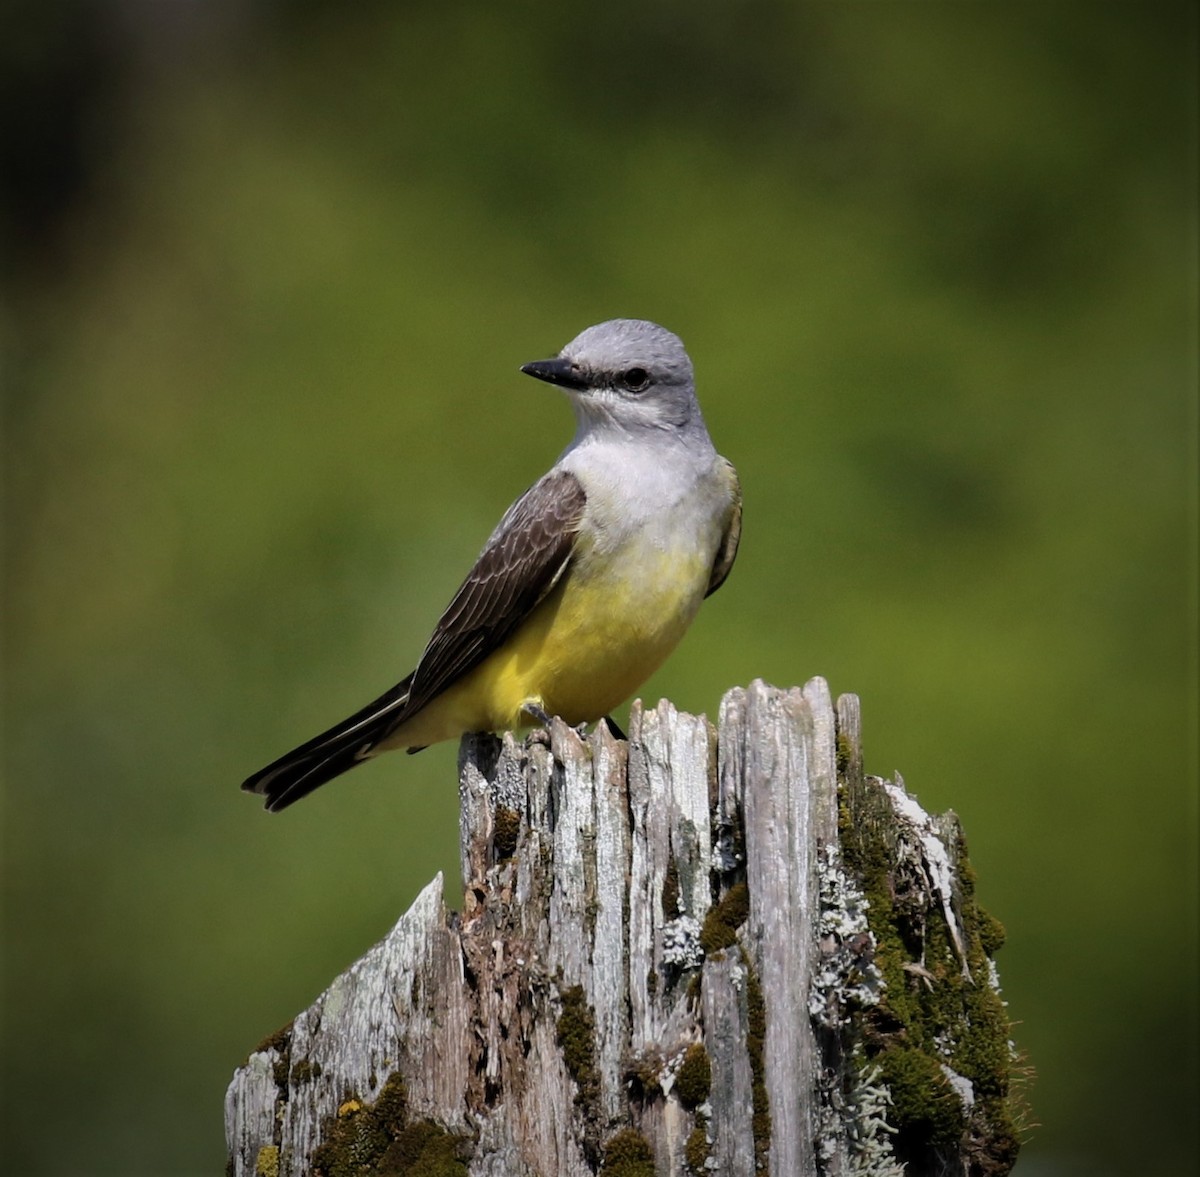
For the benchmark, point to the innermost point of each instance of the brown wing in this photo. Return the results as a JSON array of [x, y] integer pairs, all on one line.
[[522, 562], [519, 565], [727, 552]]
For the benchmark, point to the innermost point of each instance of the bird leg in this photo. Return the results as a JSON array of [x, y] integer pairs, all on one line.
[[541, 733], [535, 712], [614, 729]]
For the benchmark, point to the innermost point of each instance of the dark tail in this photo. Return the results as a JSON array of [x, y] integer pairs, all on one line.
[[330, 754]]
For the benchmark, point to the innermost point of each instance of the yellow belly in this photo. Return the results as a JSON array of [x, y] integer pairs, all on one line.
[[582, 652]]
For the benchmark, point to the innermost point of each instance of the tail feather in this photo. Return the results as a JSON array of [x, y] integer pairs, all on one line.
[[333, 752]]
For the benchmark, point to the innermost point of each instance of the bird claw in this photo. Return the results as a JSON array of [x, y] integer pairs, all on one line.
[[614, 729], [541, 733], [534, 711]]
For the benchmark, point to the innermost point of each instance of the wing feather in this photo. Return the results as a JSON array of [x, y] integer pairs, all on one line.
[[519, 565], [727, 552]]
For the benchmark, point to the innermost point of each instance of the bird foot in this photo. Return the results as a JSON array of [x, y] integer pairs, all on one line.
[[614, 729], [541, 733], [537, 713]]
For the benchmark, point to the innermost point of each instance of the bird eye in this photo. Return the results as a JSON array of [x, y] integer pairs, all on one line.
[[636, 379]]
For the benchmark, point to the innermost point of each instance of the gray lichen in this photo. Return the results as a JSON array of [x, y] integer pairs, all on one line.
[[846, 977]]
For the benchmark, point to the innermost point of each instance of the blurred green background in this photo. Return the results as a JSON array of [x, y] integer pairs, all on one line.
[[271, 270]]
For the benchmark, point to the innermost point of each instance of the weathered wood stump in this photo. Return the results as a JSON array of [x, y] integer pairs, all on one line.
[[699, 951]]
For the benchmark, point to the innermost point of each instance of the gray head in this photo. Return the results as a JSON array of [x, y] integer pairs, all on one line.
[[626, 374]]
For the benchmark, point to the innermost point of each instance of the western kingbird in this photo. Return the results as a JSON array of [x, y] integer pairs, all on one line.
[[587, 583]]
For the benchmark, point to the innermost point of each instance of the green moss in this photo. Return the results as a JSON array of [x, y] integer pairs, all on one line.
[[930, 1011], [723, 920], [280, 1041], [423, 1149], [353, 1143], [643, 1076], [576, 1033], [693, 1080], [670, 889], [628, 1154], [391, 1108], [756, 1035], [304, 1072], [506, 831], [923, 1102], [377, 1140], [696, 1150], [991, 933], [845, 753]]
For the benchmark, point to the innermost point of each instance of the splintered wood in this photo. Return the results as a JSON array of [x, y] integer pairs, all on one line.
[[664, 964]]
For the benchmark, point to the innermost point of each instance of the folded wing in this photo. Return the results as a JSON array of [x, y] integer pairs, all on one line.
[[522, 561]]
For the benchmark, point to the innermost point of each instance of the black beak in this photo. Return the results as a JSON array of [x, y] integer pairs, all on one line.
[[557, 371]]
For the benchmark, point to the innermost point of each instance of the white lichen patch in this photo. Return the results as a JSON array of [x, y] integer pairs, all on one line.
[[737, 976], [669, 1071], [935, 859], [725, 857], [963, 1087], [681, 943], [845, 977], [993, 977]]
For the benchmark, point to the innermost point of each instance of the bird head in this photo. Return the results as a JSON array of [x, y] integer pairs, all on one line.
[[628, 375]]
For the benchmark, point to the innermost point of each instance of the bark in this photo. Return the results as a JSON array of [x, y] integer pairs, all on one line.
[[700, 950]]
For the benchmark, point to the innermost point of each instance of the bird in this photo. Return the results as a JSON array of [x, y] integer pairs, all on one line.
[[587, 583]]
